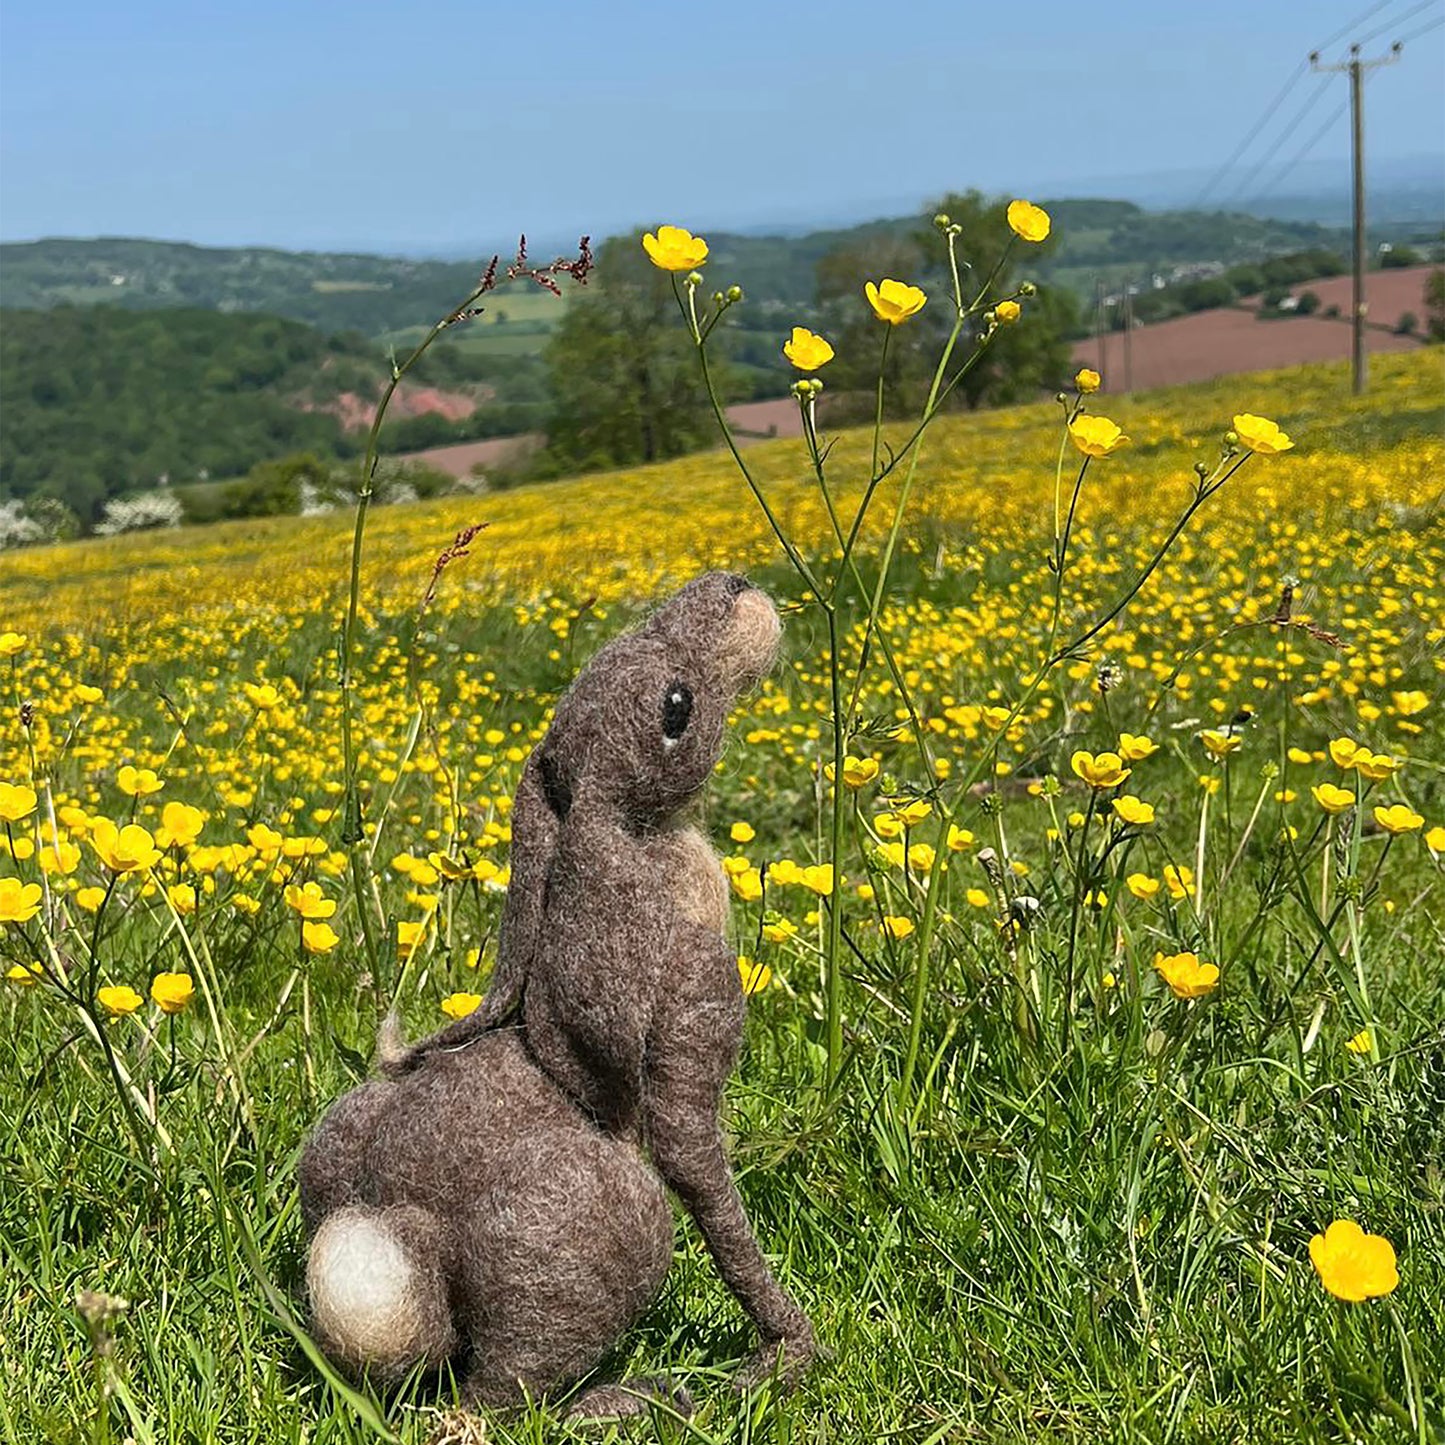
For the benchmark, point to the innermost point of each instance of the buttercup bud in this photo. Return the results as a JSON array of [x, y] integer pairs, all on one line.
[[694, 278], [942, 221], [1028, 289], [735, 294]]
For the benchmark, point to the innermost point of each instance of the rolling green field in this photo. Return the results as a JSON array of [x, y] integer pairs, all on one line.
[[1047, 1197]]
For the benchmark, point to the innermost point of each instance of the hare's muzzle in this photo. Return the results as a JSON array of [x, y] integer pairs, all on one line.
[[750, 643]]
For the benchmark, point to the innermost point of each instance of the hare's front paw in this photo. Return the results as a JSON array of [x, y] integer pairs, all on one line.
[[783, 1360]]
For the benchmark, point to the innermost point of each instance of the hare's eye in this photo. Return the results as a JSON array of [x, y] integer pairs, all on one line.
[[676, 710]]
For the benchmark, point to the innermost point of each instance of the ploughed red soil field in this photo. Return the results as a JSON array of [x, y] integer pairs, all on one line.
[[1234, 338], [753, 420]]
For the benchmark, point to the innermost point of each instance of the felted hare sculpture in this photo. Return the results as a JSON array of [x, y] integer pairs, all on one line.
[[493, 1192]]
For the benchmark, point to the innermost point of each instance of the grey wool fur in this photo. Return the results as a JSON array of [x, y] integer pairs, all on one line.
[[499, 1192]]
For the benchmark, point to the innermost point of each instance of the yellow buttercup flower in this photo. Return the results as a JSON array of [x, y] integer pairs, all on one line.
[[1361, 1042], [897, 927], [1134, 811], [171, 992], [779, 930], [16, 802], [748, 883], [409, 935], [60, 857], [11, 643], [1219, 745], [86, 693], [1398, 818], [755, 976], [118, 999], [1007, 312], [742, 833], [1104, 770], [180, 826], [318, 937], [309, 901], [123, 850], [807, 350], [19, 902], [1260, 435], [138, 782], [1375, 767], [1141, 885], [818, 878], [1407, 704], [1134, 748], [1179, 880], [1087, 380], [182, 897], [894, 301], [1095, 436], [459, 1005], [1028, 222], [23, 975], [857, 772], [1331, 798], [674, 249], [1185, 975], [261, 695], [1435, 839], [89, 898], [959, 838], [1353, 1265], [1344, 751]]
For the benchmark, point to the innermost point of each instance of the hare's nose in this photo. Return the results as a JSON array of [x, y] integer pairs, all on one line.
[[751, 641]]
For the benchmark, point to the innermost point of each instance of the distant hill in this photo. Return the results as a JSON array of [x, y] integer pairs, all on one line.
[[378, 295], [99, 401], [369, 294]]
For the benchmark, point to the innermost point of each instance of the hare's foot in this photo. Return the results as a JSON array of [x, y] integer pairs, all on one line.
[[783, 1361], [378, 1290], [627, 1398]]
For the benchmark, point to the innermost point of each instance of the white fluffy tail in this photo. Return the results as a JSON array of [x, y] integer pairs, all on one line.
[[377, 1302]]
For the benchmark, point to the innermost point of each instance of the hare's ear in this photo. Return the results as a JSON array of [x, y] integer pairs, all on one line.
[[537, 816]]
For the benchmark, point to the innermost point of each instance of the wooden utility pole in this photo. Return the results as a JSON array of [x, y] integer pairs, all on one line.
[[1128, 336], [1099, 323], [1356, 69]]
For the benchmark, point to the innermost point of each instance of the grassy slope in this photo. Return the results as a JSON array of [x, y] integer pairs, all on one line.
[[1104, 1243]]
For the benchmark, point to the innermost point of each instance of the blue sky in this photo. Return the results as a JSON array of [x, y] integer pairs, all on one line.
[[435, 124]]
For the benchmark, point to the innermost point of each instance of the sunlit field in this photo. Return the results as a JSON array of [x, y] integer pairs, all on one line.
[[1186, 1004]]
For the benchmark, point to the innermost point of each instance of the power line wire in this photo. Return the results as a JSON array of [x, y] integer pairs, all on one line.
[[1399, 19], [1344, 30], [1248, 140], [1299, 158], [1247, 184], [1270, 110], [1423, 30]]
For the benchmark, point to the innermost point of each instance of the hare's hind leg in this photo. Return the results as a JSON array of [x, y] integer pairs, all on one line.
[[332, 1171], [563, 1263], [377, 1281]]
